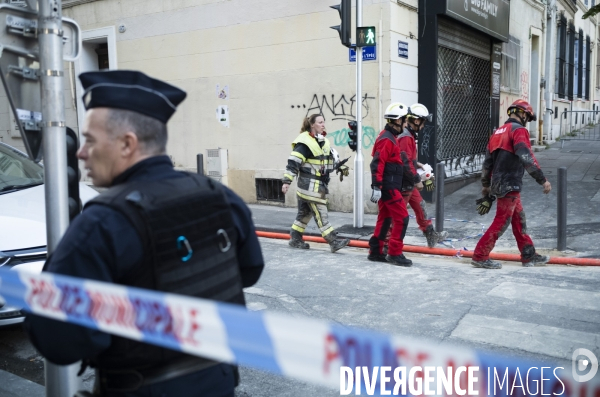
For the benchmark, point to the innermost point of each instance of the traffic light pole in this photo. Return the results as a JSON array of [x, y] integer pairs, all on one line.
[[60, 381], [358, 160]]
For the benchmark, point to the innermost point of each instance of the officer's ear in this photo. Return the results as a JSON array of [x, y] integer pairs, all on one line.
[[129, 144]]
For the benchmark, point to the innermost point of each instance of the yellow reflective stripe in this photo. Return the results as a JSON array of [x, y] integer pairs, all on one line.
[[316, 189], [317, 215], [314, 161], [299, 155], [289, 176], [298, 228], [326, 232], [311, 198]]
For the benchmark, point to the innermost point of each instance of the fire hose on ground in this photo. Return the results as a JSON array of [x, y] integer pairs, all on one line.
[[444, 251]]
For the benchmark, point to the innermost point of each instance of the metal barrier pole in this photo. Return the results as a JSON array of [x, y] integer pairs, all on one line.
[[562, 141], [60, 380], [358, 220], [200, 163], [439, 197], [561, 227]]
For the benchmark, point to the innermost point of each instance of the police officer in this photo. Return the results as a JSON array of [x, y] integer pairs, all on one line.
[[154, 228], [311, 161], [387, 169], [411, 183], [507, 157]]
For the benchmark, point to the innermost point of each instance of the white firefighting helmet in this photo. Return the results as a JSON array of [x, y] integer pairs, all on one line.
[[419, 111], [395, 111]]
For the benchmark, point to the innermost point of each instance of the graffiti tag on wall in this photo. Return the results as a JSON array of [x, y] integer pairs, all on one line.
[[340, 137], [336, 107]]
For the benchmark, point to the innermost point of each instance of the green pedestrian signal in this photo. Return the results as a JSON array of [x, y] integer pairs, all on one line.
[[365, 36]]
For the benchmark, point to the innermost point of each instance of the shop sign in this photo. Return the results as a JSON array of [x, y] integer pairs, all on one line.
[[489, 16]]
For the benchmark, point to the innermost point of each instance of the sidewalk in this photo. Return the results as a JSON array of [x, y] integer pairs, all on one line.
[[14, 386], [582, 159]]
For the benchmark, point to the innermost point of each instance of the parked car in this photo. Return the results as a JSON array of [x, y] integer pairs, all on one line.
[[23, 218]]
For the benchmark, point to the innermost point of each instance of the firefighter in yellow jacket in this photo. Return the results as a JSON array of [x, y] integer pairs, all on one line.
[[312, 161]]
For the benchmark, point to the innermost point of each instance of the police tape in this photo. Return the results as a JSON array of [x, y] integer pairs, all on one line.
[[316, 351]]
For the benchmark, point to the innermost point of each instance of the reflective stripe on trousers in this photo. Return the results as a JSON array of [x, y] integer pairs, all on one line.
[[306, 211]]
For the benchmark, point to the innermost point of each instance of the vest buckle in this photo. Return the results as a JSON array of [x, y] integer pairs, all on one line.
[[223, 233], [184, 241]]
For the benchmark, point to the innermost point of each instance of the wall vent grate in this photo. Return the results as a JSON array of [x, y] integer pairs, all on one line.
[[269, 190]]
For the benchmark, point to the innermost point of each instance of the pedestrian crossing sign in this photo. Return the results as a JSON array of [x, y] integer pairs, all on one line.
[[365, 36]]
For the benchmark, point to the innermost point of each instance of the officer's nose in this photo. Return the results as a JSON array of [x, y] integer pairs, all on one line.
[[82, 153]]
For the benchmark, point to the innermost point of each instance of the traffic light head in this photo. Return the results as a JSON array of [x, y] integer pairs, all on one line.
[[344, 29], [365, 36], [73, 174], [352, 135]]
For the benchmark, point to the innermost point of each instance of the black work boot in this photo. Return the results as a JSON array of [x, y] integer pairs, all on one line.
[[399, 260], [487, 264], [536, 260], [296, 240], [376, 257], [434, 237], [338, 244]]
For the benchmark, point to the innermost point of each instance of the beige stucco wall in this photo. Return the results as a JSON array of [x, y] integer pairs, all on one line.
[[281, 62]]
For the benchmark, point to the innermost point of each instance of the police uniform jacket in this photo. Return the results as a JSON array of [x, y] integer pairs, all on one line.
[[101, 244]]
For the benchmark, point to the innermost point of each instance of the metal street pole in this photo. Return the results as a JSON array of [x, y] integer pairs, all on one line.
[[549, 91], [60, 381], [561, 218], [358, 160]]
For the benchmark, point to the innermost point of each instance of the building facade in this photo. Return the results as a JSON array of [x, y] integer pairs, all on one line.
[[254, 69]]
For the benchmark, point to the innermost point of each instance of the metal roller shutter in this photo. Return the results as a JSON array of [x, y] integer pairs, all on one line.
[[461, 38], [463, 98]]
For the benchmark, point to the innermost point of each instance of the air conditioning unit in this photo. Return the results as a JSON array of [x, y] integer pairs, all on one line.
[[216, 164]]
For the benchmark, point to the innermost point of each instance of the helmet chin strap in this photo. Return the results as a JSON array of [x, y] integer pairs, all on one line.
[[412, 130], [523, 122]]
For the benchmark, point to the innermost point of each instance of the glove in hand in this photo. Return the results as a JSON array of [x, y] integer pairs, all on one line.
[[484, 204], [343, 171], [376, 195], [429, 185]]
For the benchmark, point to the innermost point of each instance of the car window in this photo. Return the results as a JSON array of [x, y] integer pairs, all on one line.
[[16, 169]]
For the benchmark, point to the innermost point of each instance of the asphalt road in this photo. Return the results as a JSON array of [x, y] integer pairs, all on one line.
[[535, 313]]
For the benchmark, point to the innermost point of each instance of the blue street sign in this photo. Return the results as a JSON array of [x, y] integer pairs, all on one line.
[[369, 54], [402, 49]]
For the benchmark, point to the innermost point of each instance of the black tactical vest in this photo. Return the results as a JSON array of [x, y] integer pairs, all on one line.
[[190, 244]]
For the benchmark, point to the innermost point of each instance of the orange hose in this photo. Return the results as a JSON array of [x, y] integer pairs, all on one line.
[[444, 251]]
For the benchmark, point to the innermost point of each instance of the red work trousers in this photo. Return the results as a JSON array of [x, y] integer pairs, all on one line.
[[416, 202], [509, 211], [392, 213]]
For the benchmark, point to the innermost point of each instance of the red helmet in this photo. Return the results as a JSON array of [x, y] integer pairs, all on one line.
[[523, 105]]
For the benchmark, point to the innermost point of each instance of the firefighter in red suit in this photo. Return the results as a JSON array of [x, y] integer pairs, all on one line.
[[387, 169], [412, 184], [507, 157]]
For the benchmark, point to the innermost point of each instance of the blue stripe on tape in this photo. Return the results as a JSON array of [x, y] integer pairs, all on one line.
[[248, 338], [13, 289]]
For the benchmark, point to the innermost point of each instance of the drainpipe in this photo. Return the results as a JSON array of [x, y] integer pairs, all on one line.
[[549, 92]]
